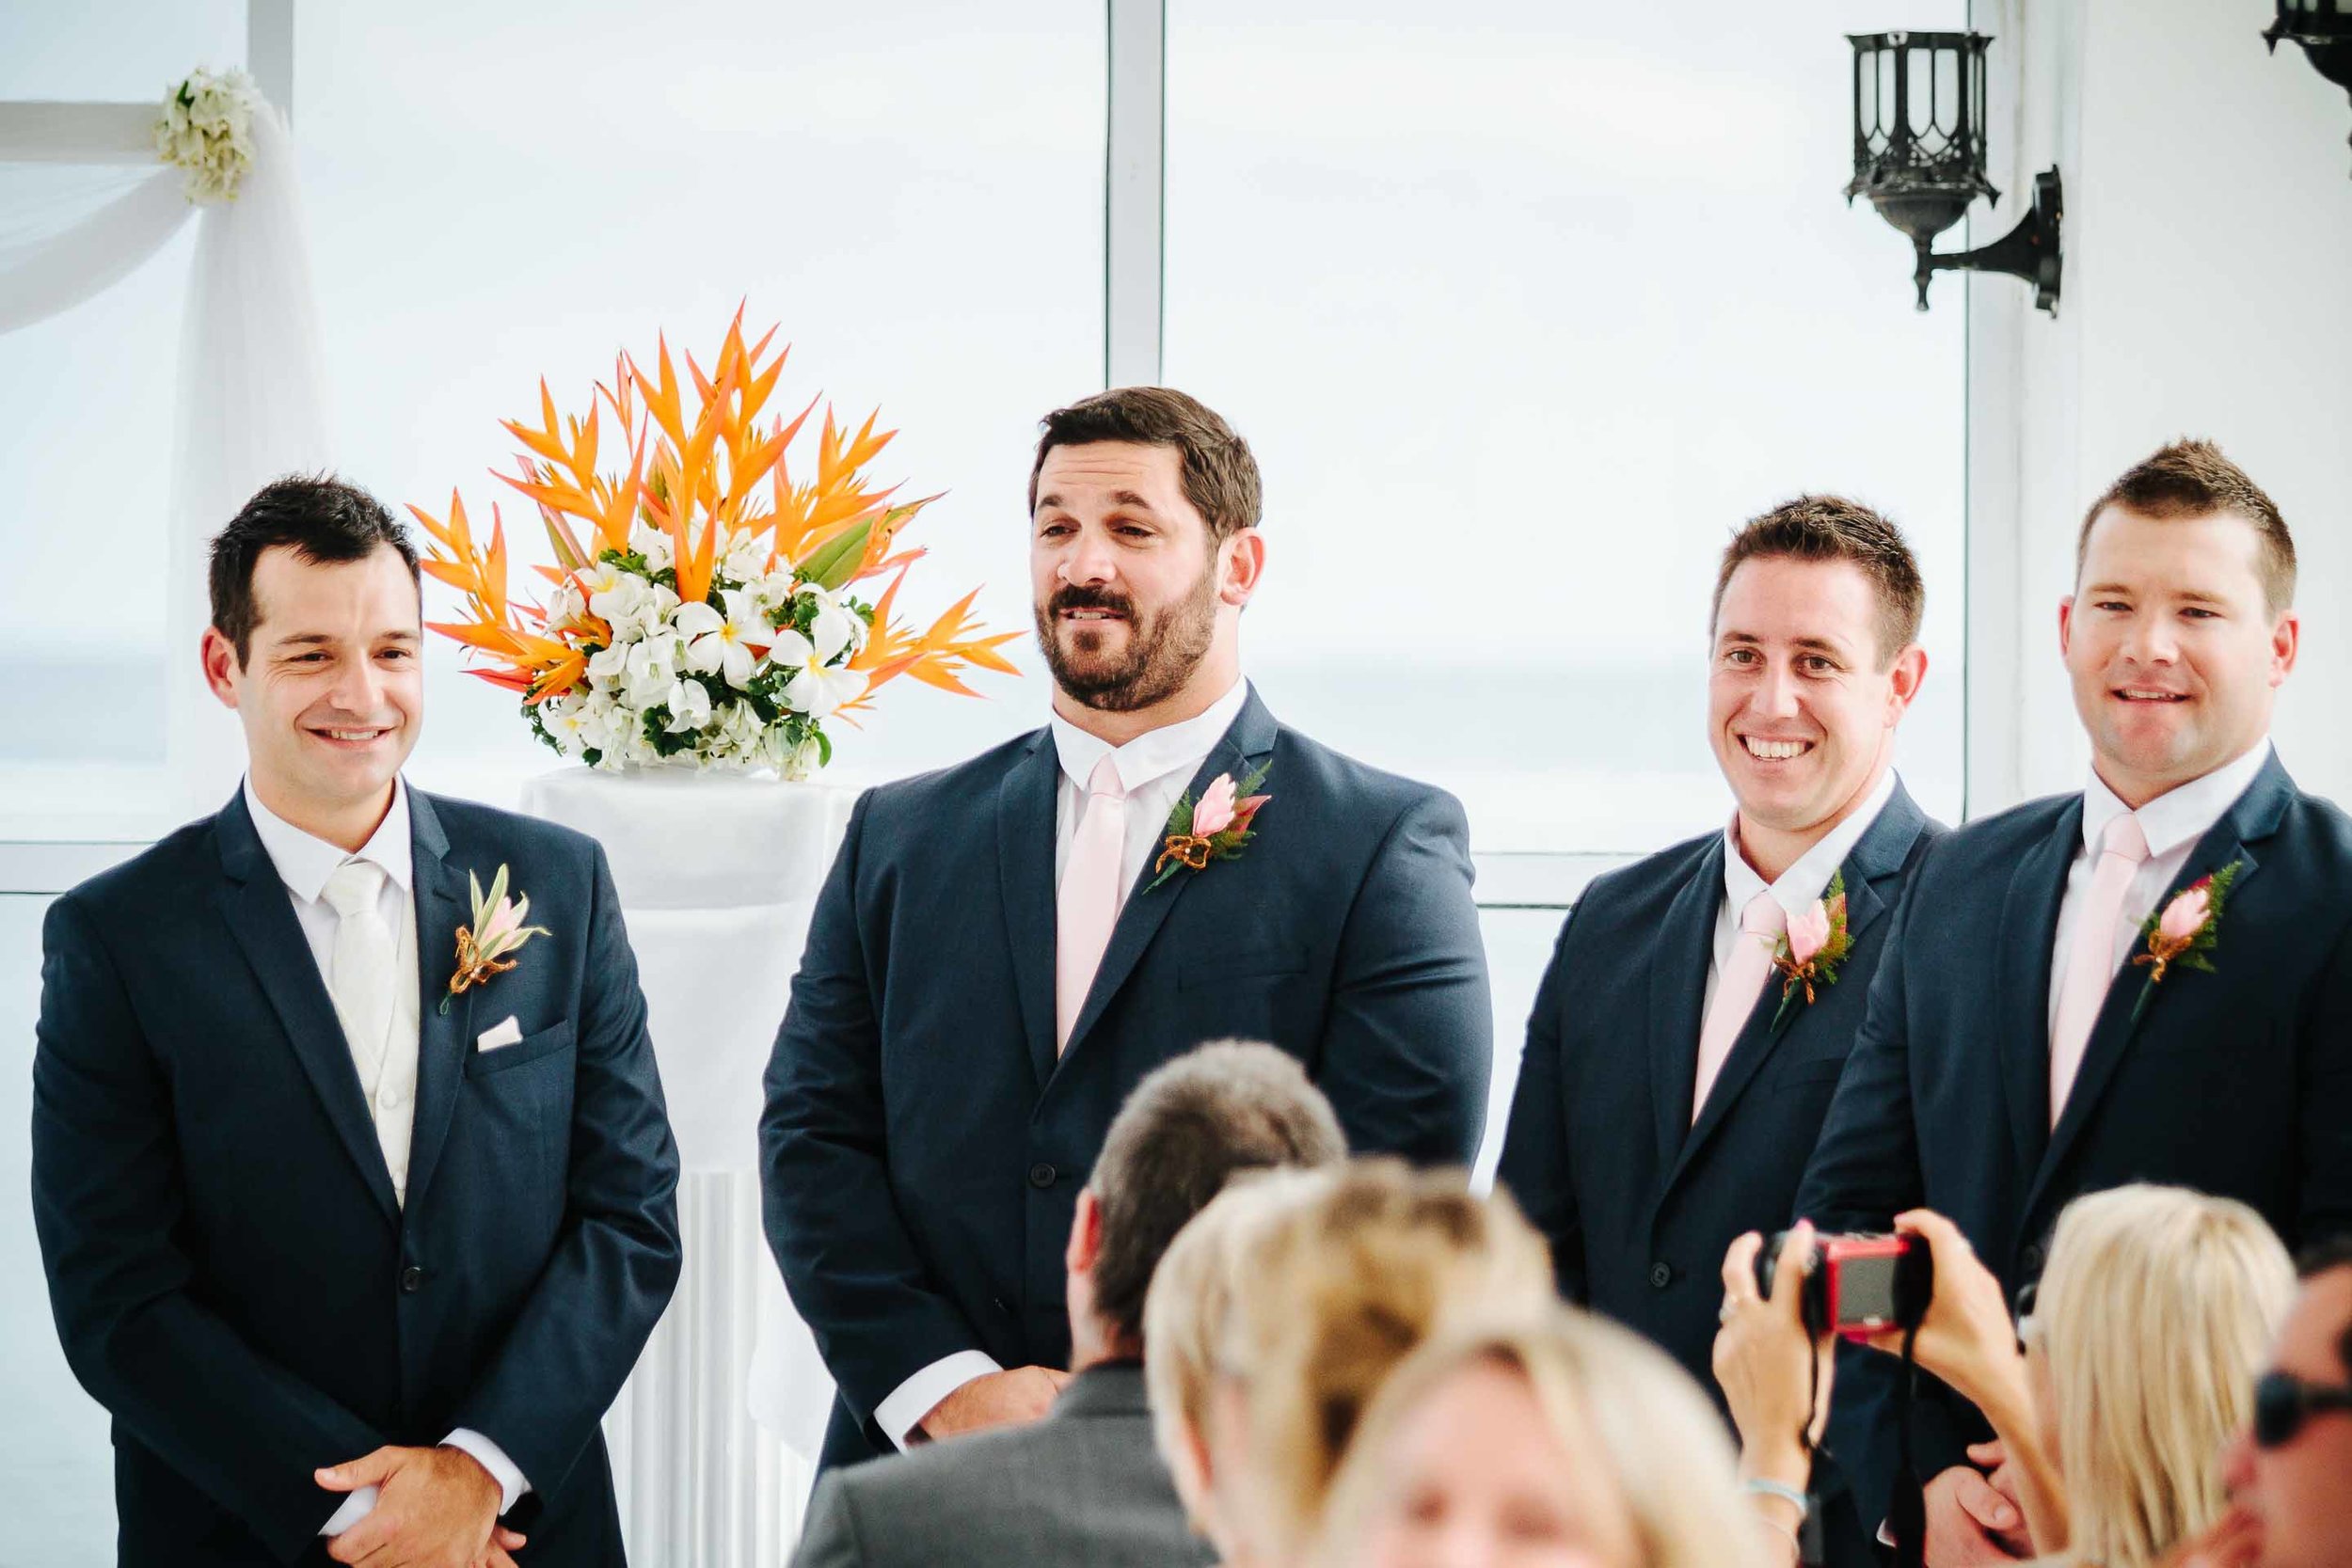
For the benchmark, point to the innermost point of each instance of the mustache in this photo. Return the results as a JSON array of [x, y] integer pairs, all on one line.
[[1071, 597]]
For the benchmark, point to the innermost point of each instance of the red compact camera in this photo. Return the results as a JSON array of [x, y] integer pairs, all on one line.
[[1859, 1285]]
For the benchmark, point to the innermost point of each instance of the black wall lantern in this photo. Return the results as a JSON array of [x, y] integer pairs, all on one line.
[[2323, 28], [1918, 154]]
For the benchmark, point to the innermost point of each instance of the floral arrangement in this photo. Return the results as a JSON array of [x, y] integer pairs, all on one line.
[[206, 131], [1219, 828], [702, 611], [1812, 948]]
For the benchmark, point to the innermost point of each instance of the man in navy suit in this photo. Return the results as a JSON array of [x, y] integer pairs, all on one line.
[[2021, 1044], [354, 1264], [1004, 949], [1674, 1079]]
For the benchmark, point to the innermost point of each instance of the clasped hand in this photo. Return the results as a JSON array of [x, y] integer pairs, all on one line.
[[434, 1508]]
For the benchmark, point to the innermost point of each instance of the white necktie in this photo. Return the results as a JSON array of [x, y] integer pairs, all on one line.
[[365, 971], [1736, 989], [1087, 905], [2090, 963]]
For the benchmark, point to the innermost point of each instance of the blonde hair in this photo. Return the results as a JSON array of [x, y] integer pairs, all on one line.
[[1183, 1312], [1606, 1393], [1336, 1288], [2155, 1313]]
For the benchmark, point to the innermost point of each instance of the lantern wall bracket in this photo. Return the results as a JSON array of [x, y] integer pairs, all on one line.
[[2030, 250]]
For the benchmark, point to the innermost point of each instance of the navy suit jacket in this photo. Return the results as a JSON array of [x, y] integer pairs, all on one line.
[[2236, 1083], [231, 1275], [923, 1148]]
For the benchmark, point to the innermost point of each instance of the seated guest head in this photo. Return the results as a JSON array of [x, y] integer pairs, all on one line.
[[1187, 1129], [1182, 1316], [1542, 1440], [2291, 1469], [2181, 624], [315, 641], [1143, 549], [1815, 659], [2157, 1308], [1335, 1286]]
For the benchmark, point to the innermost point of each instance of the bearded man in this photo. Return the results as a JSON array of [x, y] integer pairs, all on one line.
[[1006, 948]]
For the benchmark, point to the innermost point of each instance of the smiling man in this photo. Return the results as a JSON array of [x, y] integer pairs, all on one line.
[[1004, 949], [2059, 1017], [1673, 1083], [356, 1265]]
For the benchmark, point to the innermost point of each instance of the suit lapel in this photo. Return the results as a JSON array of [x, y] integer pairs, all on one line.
[[1678, 998], [1247, 742], [261, 915], [1878, 855], [2021, 982], [443, 904], [2253, 817], [1025, 872]]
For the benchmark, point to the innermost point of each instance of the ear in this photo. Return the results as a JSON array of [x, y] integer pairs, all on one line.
[[1904, 681], [221, 666], [1086, 1234], [1241, 560], [2066, 625], [2286, 640]]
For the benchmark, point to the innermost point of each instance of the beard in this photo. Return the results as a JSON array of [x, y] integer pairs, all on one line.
[[1163, 649]]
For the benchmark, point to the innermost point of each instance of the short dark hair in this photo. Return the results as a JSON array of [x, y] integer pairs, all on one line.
[[1220, 475], [1227, 1106], [1830, 527], [2325, 1257], [321, 518], [2191, 479]]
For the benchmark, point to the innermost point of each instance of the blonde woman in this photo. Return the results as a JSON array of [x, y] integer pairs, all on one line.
[[2137, 1364], [1182, 1315], [1551, 1440], [1313, 1294]]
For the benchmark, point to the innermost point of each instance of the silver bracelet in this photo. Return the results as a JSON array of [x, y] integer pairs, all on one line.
[[1767, 1488]]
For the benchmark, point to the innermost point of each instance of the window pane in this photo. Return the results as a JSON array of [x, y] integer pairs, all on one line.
[[1522, 318]]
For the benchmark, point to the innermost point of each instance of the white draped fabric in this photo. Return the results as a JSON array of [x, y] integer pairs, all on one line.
[[83, 202], [715, 1437]]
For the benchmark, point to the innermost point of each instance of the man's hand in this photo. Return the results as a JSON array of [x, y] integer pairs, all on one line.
[[434, 1508], [1012, 1398], [1970, 1523]]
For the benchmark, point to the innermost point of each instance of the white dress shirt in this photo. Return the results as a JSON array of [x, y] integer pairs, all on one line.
[[2173, 822], [304, 863], [1795, 890], [1153, 768]]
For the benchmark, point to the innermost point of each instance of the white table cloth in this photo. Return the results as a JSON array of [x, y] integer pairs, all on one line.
[[714, 1437]]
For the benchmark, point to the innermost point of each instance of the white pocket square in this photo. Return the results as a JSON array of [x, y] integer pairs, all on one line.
[[504, 1033]]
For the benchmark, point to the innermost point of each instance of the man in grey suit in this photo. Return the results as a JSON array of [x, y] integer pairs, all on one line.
[[1084, 1484]]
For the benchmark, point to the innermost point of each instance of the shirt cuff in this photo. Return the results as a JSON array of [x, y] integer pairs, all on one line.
[[352, 1509], [502, 1470], [919, 1395]]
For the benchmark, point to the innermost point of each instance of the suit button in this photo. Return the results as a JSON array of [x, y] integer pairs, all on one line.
[[1661, 1277], [1040, 1176], [411, 1278], [2030, 1261]]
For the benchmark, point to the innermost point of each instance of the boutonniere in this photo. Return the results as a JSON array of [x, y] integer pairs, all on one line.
[[497, 931], [2183, 931], [1216, 828], [1811, 949]]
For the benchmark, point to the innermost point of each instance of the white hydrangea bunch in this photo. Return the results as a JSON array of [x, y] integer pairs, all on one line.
[[206, 131], [743, 680]]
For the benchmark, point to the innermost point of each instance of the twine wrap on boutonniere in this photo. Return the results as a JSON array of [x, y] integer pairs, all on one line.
[[1813, 947], [1216, 828], [497, 931], [2183, 931]]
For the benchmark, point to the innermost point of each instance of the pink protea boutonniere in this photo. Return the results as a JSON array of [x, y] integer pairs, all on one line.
[[2183, 931], [1814, 946], [1216, 828], [497, 931]]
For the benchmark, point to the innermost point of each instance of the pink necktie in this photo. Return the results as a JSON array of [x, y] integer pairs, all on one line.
[[1088, 906], [2091, 962], [1737, 988]]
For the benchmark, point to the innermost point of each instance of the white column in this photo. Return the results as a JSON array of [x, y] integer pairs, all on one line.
[[1135, 182]]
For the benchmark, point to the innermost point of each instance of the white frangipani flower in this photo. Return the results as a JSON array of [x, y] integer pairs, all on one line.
[[690, 707], [728, 644], [814, 689]]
